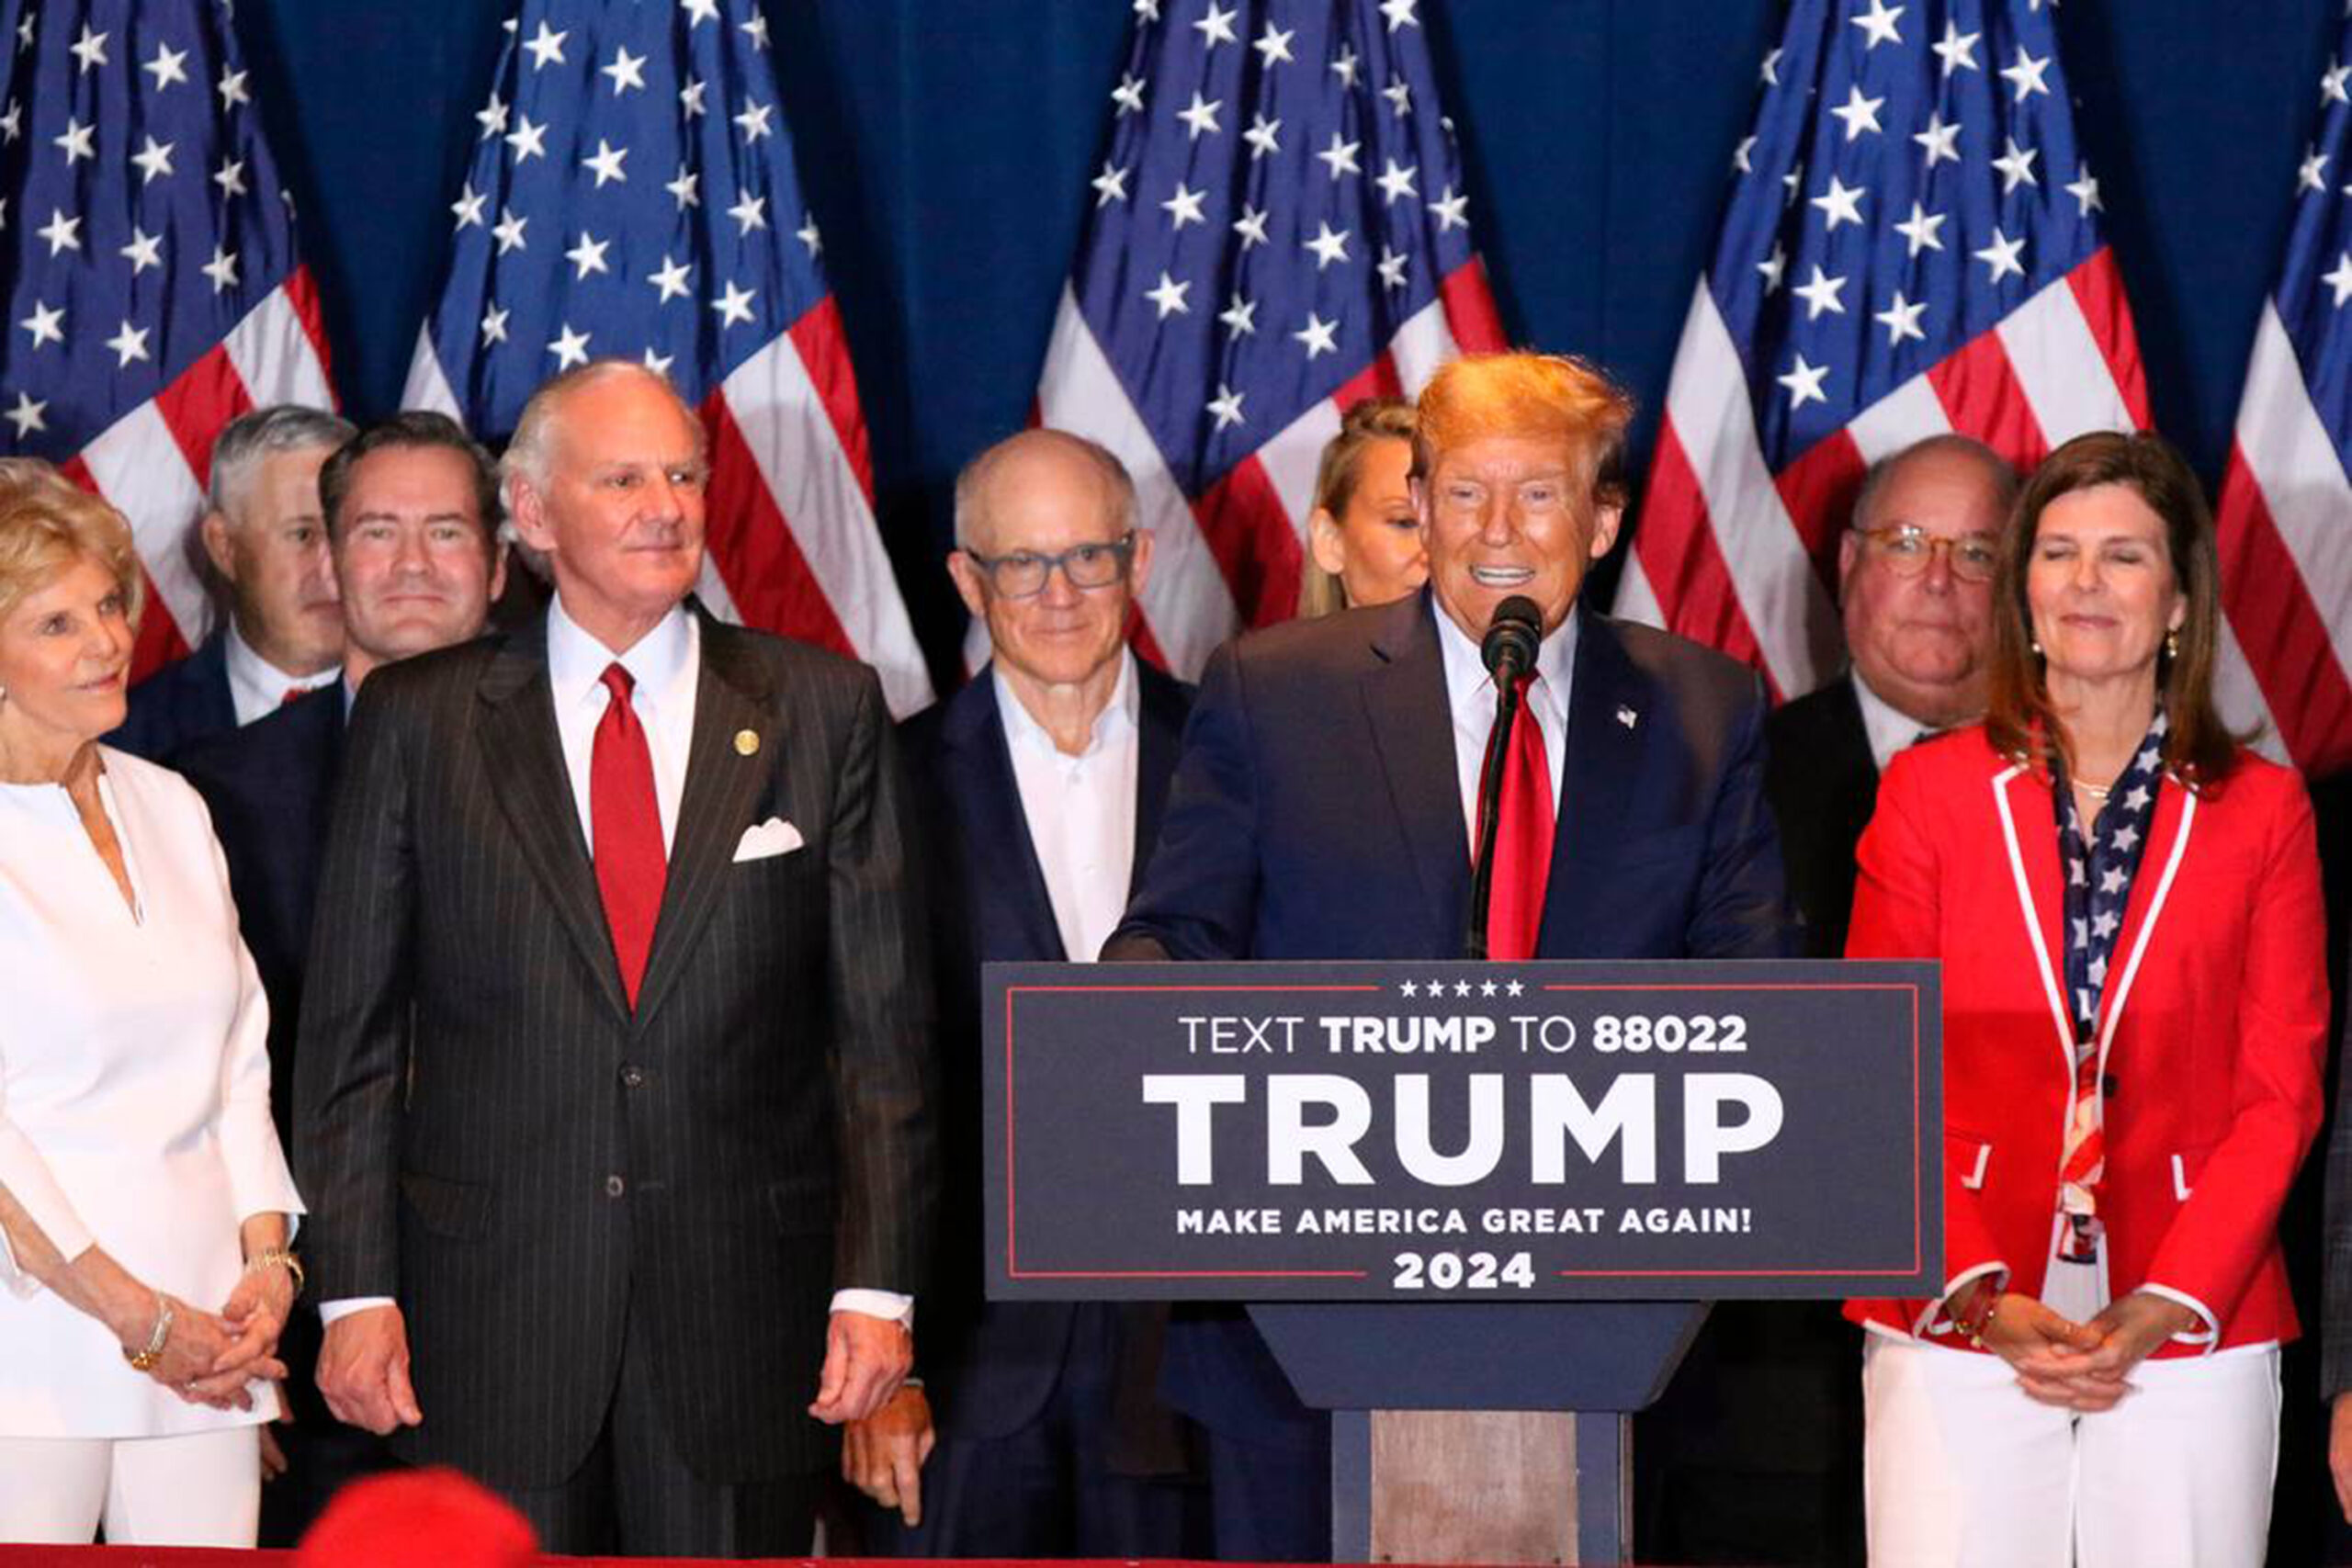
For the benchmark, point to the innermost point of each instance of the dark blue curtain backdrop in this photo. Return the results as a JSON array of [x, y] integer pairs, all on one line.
[[946, 145]]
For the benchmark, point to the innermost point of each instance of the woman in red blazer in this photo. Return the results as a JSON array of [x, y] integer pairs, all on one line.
[[2127, 905]]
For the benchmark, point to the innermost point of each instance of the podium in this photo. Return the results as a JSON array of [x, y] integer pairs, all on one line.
[[1459, 1187]]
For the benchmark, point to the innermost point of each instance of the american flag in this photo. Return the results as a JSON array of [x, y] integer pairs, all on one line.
[[1278, 229], [1911, 245], [154, 293], [632, 193], [2285, 551]]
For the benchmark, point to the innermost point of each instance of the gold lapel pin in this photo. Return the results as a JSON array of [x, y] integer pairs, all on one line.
[[747, 742]]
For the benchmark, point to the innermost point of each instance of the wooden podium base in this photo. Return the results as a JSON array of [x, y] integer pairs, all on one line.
[[1478, 1486]]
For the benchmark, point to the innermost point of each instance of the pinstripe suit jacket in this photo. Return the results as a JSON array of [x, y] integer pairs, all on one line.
[[494, 1140]]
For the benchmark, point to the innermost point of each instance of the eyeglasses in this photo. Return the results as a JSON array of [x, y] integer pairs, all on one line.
[[1906, 550], [1022, 574]]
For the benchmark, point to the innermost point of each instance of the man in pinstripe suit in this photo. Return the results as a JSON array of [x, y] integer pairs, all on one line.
[[612, 1071]]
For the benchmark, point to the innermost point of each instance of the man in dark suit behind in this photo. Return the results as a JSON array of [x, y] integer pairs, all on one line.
[[280, 635], [611, 1088], [412, 514], [1047, 776], [1754, 1455], [1323, 807]]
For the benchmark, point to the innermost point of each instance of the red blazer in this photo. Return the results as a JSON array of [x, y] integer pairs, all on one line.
[[2211, 1038]]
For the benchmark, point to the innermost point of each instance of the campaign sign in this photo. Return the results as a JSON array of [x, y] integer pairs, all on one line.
[[1459, 1131]]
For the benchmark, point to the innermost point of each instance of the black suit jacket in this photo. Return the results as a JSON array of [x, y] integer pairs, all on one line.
[[181, 703], [1823, 784], [271, 786], [992, 1366], [490, 1136]]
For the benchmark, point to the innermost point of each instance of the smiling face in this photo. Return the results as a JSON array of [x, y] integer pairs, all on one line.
[[272, 547], [1503, 515], [415, 560], [65, 653], [2100, 589], [1374, 545], [1919, 640]]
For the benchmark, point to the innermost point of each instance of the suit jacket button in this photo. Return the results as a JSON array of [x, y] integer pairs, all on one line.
[[615, 1187], [632, 1074]]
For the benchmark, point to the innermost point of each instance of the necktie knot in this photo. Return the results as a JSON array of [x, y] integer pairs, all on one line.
[[619, 681]]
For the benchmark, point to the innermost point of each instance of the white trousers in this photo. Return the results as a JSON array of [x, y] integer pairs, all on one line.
[[1962, 1470], [203, 1489]]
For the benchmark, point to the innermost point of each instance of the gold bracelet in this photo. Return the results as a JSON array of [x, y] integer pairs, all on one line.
[[145, 1359], [278, 1257]]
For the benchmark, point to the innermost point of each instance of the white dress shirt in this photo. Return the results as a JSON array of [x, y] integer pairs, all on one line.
[[1080, 811], [1470, 693], [1889, 727], [134, 1091], [666, 666], [256, 688]]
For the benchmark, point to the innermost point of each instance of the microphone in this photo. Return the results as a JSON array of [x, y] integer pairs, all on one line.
[[1509, 652], [1512, 636]]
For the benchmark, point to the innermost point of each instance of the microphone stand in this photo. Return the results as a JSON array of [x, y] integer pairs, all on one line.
[[1490, 793]]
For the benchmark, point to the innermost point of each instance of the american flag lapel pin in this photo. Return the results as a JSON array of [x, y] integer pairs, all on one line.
[[1627, 716]]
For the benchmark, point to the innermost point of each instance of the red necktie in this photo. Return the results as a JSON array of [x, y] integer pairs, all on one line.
[[1522, 840], [631, 865], [293, 695]]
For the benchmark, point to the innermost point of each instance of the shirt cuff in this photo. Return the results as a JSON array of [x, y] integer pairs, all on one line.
[[888, 1305], [346, 1305], [2210, 1336], [1935, 1320]]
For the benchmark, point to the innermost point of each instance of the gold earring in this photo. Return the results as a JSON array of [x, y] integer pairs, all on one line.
[[2035, 644], [2172, 643]]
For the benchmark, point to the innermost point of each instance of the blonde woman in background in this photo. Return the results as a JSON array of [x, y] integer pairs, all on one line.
[[1363, 541]]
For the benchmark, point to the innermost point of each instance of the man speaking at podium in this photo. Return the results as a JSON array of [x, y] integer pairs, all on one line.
[[1329, 780]]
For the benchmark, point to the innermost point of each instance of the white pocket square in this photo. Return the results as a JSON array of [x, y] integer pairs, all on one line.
[[772, 838]]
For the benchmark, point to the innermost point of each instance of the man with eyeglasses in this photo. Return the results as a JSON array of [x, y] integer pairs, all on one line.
[[1046, 775]]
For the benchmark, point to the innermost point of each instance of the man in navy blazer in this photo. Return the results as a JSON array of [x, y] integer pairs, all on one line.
[[411, 510], [1323, 803], [1047, 775]]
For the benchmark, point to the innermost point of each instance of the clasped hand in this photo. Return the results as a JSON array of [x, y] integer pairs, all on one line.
[[214, 1357], [2085, 1367]]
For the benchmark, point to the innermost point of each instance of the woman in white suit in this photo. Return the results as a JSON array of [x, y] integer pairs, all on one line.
[[144, 1203]]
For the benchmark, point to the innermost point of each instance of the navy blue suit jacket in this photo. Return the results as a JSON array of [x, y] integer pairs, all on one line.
[[271, 788], [179, 703], [1317, 814], [992, 1366]]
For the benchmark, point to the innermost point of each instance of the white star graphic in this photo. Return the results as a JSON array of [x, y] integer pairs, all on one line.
[[1513, 988], [2331, 83], [1317, 336], [690, 97], [686, 187], [1958, 50], [1395, 182], [1804, 382], [1399, 14], [77, 141], [757, 29], [569, 348], [1146, 10], [2123, 837], [1878, 25], [528, 140], [547, 49], [808, 235], [493, 325], [231, 88], [144, 251], [1739, 155], [1328, 245], [154, 159], [2026, 75], [1409, 989], [46, 324], [1487, 987], [1840, 204], [1128, 95], [27, 416], [606, 163], [2084, 190], [1391, 267], [1343, 65], [169, 65], [1261, 136], [1772, 266], [467, 207], [1858, 113], [627, 71], [1200, 117], [587, 254], [2099, 965], [1901, 319], [669, 279], [1250, 226], [2308, 177], [1241, 317], [2103, 924], [89, 49], [1920, 228], [749, 212], [2082, 932], [2138, 799], [733, 305], [1169, 296], [1184, 207], [1340, 156], [64, 233], [1462, 987], [2147, 759], [1274, 46], [2074, 874], [129, 344], [508, 230], [2000, 257], [1216, 26], [491, 117], [2016, 165], [1940, 140], [12, 123], [1399, 94], [25, 31], [659, 363], [1225, 406], [1770, 72], [2112, 881], [1820, 293], [754, 121], [1449, 208], [699, 11], [1110, 186], [221, 269]]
